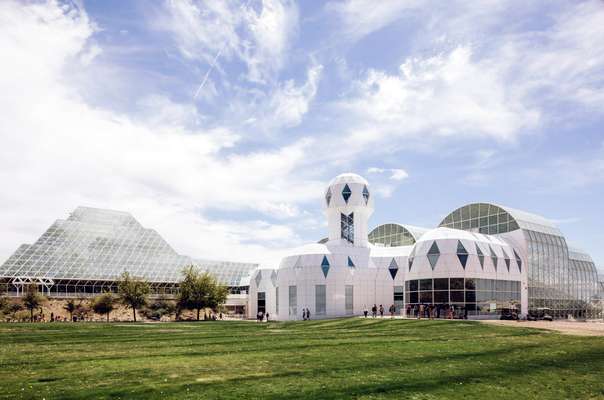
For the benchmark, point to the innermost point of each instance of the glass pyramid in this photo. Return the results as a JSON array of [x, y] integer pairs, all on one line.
[[97, 244]]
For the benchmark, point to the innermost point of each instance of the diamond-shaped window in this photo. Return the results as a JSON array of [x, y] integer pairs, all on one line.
[[350, 263], [493, 257], [258, 278], [518, 260], [462, 254], [433, 255], [393, 268], [480, 256], [274, 278], [328, 196], [366, 194], [325, 266], [346, 193]]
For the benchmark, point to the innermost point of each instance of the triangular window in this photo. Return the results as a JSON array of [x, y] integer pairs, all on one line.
[[493, 257], [433, 255], [325, 266], [480, 256], [328, 196], [411, 257], [518, 260], [350, 263], [366, 195], [346, 193], [506, 258], [462, 254], [393, 268]]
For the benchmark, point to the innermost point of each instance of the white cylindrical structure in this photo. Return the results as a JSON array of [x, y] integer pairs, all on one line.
[[348, 204]]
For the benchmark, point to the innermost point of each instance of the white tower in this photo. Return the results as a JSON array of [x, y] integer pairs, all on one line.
[[348, 204]]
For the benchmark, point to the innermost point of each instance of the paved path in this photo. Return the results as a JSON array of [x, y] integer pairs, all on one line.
[[565, 327]]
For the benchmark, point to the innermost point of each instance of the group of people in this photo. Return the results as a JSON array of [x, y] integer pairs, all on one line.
[[432, 311], [375, 309], [261, 316]]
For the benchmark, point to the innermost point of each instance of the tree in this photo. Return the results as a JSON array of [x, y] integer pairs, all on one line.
[[103, 304], [200, 290], [133, 292], [159, 308], [70, 307], [32, 300]]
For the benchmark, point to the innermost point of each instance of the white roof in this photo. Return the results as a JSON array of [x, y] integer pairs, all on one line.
[[531, 221], [348, 177], [448, 233]]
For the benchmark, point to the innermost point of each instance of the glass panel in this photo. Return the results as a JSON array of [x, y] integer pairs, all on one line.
[[425, 284], [320, 299], [293, 300], [457, 296], [349, 299], [441, 296], [441, 284], [457, 283], [425, 297]]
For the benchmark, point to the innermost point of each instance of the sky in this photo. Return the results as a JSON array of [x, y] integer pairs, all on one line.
[[219, 124]]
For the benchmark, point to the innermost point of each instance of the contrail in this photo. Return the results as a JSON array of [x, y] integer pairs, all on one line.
[[205, 78], [213, 64]]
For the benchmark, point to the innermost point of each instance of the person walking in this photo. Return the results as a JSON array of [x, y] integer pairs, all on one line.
[[381, 311], [365, 312], [392, 311], [308, 314], [374, 311], [266, 317]]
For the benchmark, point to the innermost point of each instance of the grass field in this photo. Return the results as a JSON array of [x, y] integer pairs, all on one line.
[[347, 358]]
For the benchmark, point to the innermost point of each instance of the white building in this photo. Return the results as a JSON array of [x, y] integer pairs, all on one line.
[[483, 260]]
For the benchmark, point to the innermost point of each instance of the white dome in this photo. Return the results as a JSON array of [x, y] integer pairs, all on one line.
[[348, 178]]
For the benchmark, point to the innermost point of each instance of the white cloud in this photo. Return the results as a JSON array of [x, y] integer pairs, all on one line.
[[361, 17], [285, 105], [396, 174], [164, 164], [445, 95], [233, 30]]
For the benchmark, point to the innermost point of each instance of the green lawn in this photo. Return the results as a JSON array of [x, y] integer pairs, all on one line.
[[346, 358]]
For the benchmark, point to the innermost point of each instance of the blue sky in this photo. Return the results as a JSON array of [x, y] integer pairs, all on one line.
[[219, 123]]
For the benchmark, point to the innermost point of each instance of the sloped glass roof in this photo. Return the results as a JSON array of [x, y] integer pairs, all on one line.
[[492, 219], [98, 244], [393, 235]]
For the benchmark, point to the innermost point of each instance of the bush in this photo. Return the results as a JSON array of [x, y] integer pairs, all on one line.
[[103, 304], [159, 308]]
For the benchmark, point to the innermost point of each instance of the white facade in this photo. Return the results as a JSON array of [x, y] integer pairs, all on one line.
[[347, 275]]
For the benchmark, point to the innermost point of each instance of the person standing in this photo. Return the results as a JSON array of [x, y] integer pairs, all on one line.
[[374, 311], [266, 317], [366, 312], [308, 314], [381, 311], [392, 311]]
